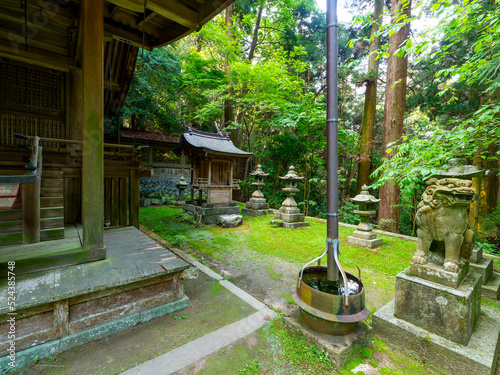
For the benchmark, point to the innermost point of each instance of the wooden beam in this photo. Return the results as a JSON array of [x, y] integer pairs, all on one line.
[[146, 20], [133, 5], [126, 37], [36, 57], [175, 11], [93, 124]]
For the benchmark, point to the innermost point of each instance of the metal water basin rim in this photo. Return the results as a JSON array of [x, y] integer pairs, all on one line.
[[361, 315]]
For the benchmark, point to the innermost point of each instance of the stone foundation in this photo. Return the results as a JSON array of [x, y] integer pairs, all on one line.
[[341, 350]]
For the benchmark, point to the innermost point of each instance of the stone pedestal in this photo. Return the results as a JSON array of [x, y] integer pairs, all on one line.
[[341, 350], [365, 239], [490, 287], [440, 325], [256, 206], [290, 217], [449, 312]]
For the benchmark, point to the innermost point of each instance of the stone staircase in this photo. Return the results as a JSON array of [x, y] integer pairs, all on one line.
[[484, 267]]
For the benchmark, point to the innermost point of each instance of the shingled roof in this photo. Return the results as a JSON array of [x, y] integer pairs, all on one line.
[[218, 144], [142, 135]]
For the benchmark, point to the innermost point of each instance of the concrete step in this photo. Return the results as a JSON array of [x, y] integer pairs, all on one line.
[[483, 268], [491, 289]]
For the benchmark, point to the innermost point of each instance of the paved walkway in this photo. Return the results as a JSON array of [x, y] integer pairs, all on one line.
[[193, 351]]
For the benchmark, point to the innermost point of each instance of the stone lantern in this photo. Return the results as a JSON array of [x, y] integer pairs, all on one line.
[[182, 185], [364, 235], [289, 213], [257, 205]]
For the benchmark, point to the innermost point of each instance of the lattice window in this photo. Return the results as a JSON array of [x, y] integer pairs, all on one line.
[[32, 102]]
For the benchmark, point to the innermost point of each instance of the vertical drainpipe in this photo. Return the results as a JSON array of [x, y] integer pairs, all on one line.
[[332, 122]]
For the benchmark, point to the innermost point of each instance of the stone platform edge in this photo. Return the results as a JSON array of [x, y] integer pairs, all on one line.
[[479, 357], [26, 357]]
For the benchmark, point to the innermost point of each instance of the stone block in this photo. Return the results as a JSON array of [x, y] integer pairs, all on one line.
[[292, 218], [364, 235], [479, 357], [449, 312], [229, 221], [492, 288], [477, 254], [254, 213], [371, 244], [257, 206], [436, 273], [295, 225], [484, 268], [342, 350]]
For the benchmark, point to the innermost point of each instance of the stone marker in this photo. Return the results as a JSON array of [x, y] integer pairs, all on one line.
[[364, 235], [289, 213], [257, 205], [181, 185]]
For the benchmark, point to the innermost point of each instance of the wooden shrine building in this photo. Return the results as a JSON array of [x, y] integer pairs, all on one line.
[[212, 167], [64, 66]]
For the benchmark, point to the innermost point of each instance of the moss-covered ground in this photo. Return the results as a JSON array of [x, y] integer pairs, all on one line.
[[259, 257]]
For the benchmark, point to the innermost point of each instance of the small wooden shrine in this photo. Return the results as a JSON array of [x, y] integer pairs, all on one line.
[[212, 173]]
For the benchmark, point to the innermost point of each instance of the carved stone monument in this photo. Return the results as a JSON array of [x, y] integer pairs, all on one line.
[[436, 315], [257, 205], [289, 213], [364, 235]]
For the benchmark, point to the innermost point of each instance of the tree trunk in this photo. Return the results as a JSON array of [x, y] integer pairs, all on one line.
[[255, 34], [368, 122], [228, 103], [492, 179], [395, 96]]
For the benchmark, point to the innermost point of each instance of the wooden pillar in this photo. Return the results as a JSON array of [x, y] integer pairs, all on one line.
[[31, 200], [134, 199], [75, 113], [93, 120]]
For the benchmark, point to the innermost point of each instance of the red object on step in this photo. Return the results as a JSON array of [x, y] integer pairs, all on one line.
[[8, 195]]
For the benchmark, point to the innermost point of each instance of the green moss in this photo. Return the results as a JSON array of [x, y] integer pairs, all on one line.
[[367, 353], [288, 298], [351, 366], [216, 289], [373, 364], [274, 275], [385, 371]]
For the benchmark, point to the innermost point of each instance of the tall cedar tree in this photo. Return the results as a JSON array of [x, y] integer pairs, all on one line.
[[368, 122], [395, 96]]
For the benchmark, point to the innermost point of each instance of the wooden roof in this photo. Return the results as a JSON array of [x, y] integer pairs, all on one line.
[[54, 34], [209, 143], [142, 135]]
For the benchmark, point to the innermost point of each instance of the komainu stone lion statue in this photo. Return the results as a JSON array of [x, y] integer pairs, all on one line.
[[442, 215]]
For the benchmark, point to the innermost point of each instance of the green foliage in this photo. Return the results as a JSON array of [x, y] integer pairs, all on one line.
[[489, 232], [346, 213]]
